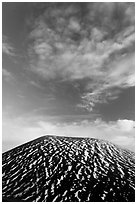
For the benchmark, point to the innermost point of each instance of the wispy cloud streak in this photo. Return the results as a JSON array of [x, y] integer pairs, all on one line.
[[7, 48], [7, 76]]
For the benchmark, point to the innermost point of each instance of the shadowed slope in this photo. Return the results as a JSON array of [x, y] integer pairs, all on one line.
[[53, 168]]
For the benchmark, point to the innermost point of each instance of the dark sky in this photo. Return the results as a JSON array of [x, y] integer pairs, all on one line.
[[68, 69]]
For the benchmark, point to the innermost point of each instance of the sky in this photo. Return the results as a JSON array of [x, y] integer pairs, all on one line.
[[68, 69]]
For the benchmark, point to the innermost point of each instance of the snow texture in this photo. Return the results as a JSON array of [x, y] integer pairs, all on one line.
[[53, 168]]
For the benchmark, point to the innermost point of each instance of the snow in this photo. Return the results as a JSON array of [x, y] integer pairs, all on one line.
[[69, 168], [58, 157], [86, 154]]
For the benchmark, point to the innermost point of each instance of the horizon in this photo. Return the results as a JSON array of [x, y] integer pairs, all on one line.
[[66, 137]]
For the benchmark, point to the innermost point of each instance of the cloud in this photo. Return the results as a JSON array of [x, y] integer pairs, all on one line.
[[7, 48], [126, 125], [21, 130], [120, 76], [93, 41], [35, 84], [7, 76]]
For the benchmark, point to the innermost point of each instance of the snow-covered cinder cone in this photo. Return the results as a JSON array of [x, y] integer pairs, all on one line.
[[68, 169]]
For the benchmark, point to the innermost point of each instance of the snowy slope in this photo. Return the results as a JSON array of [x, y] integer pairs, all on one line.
[[53, 168]]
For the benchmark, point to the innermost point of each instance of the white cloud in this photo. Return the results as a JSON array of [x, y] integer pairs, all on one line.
[[7, 48], [126, 125], [36, 84], [121, 75], [18, 131], [70, 48], [74, 25], [8, 76]]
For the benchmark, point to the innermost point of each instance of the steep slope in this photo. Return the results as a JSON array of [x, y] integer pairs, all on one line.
[[54, 168]]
